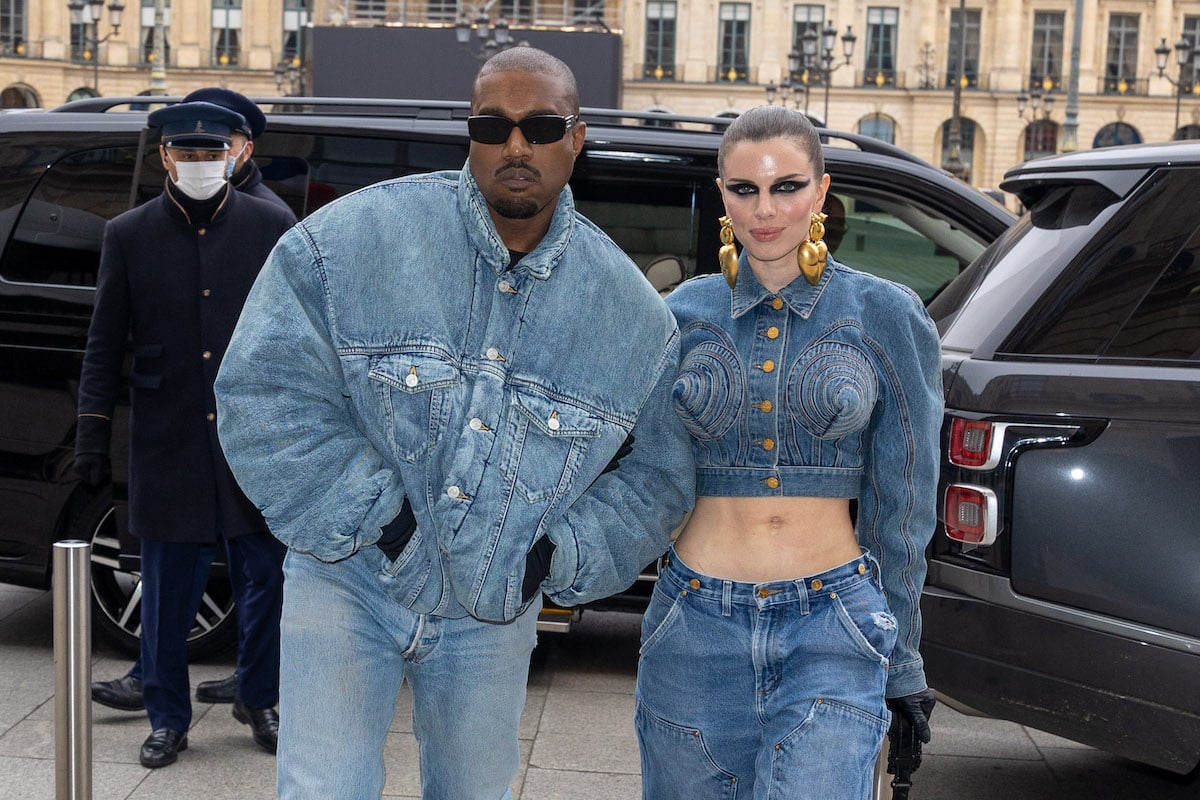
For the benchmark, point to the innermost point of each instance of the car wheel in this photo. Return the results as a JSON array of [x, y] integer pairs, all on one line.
[[117, 593]]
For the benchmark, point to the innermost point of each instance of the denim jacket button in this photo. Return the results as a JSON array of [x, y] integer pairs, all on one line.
[[476, 424], [505, 287], [494, 355], [454, 492]]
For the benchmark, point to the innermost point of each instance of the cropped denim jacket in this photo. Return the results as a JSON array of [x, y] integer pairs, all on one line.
[[388, 350], [831, 390]]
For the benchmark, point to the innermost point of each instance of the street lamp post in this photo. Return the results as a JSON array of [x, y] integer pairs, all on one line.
[[1184, 52], [954, 164], [1040, 97], [822, 62], [491, 37], [785, 91], [87, 15]]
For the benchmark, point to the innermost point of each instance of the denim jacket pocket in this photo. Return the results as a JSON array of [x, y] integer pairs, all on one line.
[[551, 437], [413, 388]]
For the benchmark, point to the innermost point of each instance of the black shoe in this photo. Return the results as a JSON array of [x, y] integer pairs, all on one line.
[[162, 748], [263, 722], [222, 691], [123, 694]]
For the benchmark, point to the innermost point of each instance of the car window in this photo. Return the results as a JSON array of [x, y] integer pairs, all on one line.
[[57, 238], [891, 236], [1134, 292]]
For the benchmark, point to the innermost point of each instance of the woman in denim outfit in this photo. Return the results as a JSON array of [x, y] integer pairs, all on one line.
[[788, 607]]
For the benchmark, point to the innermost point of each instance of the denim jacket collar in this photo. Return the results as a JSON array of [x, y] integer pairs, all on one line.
[[800, 296], [486, 239]]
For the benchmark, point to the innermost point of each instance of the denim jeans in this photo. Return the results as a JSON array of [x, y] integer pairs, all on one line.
[[763, 690], [347, 645]]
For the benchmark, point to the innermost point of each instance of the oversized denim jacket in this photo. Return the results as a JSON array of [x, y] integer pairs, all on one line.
[[386, 351], [831, 390]]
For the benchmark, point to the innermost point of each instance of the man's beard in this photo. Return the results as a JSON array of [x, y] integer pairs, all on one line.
[[516, 208]]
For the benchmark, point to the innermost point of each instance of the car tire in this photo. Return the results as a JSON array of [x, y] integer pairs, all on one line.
[[116, 592]]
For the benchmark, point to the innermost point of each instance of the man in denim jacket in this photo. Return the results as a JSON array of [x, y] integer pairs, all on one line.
[[462, 351]]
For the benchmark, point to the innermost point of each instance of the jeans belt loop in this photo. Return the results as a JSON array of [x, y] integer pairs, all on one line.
[[726, 598]]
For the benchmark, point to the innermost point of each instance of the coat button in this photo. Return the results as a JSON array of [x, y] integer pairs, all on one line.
[[768, 444], [777, 303], [494, 355], [211, 416], [202, 231], [206, 355], [765, 406], [772, 332], [506, 287], [206, 293], [768, 366], [772, 482]]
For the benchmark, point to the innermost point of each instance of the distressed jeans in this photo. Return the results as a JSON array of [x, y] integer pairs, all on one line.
[[763, 690], [347, 645]]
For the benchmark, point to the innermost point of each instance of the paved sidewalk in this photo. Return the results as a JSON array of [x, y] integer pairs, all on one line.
[[577, 736]]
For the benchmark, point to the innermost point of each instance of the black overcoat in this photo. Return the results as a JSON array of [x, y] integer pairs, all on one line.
[[176, 287]]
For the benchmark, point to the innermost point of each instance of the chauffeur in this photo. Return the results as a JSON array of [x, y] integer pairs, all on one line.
[[125, 693], [173, 276]]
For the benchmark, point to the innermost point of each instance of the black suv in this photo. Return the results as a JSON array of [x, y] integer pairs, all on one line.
[[1064, 589], [65, 172]]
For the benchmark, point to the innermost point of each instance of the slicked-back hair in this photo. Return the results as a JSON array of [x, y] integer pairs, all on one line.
[[532, 60], [763, 123]]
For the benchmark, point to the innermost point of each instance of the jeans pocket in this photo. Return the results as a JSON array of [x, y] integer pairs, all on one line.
[[863, 612], [676, 762], [831, 754], [663, 610]]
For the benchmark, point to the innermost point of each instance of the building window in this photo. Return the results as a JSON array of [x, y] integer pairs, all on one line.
[[660, 40], [295, 19], [1191, 32], [1120, 66], [1047, 58], [226, 32], [147, 54], [1041, 138], [805, 19], [1187, 132], [519, 12], [880, 66], [966, 144], [12, 27], [1116, 133], [733, 61], [970, 56], [80, 42], [878, 126]]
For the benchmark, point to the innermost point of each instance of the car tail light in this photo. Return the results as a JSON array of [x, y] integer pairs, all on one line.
[[970, 514], [974, 444]]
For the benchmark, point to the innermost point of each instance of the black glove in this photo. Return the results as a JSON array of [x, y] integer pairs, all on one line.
[[625, 449], [93, 435], [537, 567], [398, 533], [914, 709], [94, 469]]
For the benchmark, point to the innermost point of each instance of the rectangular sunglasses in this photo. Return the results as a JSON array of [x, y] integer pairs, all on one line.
[[538, 129]]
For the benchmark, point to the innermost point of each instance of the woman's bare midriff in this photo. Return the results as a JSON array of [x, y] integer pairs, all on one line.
[[760, 539]]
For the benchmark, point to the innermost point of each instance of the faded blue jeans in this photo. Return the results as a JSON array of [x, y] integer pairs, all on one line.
[[763, 690], [346, 646]]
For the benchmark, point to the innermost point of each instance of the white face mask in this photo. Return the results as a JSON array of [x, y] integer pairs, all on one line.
[[231, 162], [200, 180]]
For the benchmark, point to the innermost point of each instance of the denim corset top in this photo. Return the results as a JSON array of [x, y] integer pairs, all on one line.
[[781, 391]]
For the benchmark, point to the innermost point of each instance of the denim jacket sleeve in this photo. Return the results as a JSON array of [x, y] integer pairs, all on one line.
[[285, 423], [625, 518], [897, 511]]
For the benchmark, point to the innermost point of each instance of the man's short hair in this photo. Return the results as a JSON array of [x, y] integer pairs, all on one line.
[[530, 59]]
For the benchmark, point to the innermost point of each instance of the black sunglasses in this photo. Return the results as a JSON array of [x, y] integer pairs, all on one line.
[[538, 129]]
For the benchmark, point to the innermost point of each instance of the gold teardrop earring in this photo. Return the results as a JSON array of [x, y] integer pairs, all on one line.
[[812, 254], [727, 256]]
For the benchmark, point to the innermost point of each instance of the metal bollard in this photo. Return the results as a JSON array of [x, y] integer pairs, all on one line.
[[72, 670]]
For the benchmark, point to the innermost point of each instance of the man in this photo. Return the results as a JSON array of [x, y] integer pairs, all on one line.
[[246, 176], [173, 275], [125, 693], [448, 393]]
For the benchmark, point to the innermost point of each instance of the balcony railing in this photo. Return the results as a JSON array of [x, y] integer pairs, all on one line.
[[656, 72], [528, 13], [1131, 86]]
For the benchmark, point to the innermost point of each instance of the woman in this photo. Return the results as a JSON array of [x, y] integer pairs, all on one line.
[[779, 624]]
